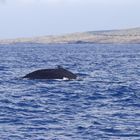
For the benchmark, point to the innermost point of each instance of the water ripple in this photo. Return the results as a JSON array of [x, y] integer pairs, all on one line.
[[103, 103]]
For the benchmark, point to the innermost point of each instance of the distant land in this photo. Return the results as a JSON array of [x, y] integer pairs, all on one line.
[[106, 36]]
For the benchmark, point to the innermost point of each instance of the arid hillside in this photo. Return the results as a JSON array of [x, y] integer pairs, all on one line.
[[107, 36]]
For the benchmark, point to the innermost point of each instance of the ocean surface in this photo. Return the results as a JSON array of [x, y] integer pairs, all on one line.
[[102, 104]]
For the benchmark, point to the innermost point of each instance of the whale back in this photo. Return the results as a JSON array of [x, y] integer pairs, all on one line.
[[58, 73]]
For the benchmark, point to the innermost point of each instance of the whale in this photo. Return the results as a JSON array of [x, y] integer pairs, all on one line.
[[56, 73]]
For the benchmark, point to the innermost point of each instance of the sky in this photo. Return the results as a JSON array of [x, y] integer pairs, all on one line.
[[29, 18]]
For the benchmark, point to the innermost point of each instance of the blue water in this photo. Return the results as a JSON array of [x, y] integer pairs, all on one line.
[[103, 104]]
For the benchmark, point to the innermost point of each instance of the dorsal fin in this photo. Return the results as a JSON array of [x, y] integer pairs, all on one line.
[[59, 67]]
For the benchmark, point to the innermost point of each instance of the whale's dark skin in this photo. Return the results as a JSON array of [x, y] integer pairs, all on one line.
[[58, 73]]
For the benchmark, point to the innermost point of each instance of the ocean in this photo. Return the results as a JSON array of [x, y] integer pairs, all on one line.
[[102, 104]]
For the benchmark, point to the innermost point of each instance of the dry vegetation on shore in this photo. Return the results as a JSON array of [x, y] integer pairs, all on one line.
[[111, 36]]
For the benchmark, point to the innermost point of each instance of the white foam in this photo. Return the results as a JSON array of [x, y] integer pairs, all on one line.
[[65, 78]]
